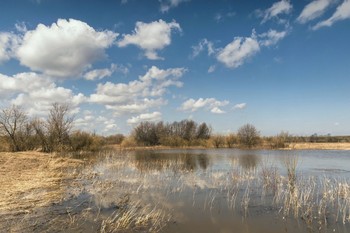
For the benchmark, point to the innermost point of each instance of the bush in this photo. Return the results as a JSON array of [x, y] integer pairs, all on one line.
[[231, 140], [248, 136], [218, 141], [280, 140], [83, 141], [129, 142]]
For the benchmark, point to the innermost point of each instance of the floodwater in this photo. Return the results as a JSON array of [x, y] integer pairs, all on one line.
[[214, 190], [231, 190]]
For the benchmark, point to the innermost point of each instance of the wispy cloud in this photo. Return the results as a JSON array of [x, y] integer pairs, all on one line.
[[277, 9], [150, 37], [166, 5], [240, 106], [272, 37], [342, 12], [204, 44], [98, 74], [314, 10]]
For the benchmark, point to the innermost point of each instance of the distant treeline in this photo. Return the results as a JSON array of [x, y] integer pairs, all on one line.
[[19, 133], [53, 134]]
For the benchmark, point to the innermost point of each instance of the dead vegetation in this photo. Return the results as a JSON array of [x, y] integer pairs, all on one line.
[[32, 179]]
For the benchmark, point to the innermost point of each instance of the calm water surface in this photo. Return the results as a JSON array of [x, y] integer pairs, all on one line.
[[223, 190]]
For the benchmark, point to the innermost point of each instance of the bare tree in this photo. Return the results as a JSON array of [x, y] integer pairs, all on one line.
[[248, 135], [41, 134], [218, 140], [13, 120], [59, 125]]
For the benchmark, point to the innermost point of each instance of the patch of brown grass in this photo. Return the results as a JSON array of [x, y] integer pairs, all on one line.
[[320, 146], [32, 179]]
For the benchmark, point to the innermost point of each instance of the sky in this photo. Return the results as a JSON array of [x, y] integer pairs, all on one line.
[[279, 65]]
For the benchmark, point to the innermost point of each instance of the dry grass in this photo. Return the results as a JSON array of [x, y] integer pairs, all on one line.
[[320, 146], [32, 179]]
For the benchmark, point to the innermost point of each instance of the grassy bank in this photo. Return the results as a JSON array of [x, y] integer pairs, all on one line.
[[33, 179]]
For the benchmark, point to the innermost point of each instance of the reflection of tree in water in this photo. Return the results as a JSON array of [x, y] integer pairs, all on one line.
[[203, 161], [248, 161], [150, 161]]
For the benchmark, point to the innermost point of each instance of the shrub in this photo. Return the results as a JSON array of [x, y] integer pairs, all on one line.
[[218, 141], [231, 140], [248, 136]]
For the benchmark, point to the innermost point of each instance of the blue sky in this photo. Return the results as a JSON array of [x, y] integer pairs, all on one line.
[[280, 65]]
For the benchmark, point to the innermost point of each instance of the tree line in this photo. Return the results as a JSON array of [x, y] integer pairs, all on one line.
[[55, 133], [52, 134]]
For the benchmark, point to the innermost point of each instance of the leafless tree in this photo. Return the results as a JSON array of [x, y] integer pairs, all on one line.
[[248, 135], [39, 128], [13, 120], [59, 125]]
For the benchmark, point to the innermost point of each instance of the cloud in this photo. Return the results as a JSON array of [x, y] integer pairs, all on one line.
[[99, 74], [342, 12], [8, 45], [202, 45], [138, 95], [155, 116], [219, 17], [36, 92], [64, 49], [272, 37], [217, 110], [150, 37], [211, 104], [240, 106], [278, 8], [92, 121], [211, 69], [166, 5], [313, 10], [238, 51]]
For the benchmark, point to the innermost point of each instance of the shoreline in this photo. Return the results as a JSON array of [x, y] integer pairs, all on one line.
[[291, 146]]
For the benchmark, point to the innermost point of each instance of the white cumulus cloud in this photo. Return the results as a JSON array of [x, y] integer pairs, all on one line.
[[138, 95], [211, 104], [150, 37], [313, 10], [155, 116], [36, 92], [238, 51], [64, 49], [342, 12]]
